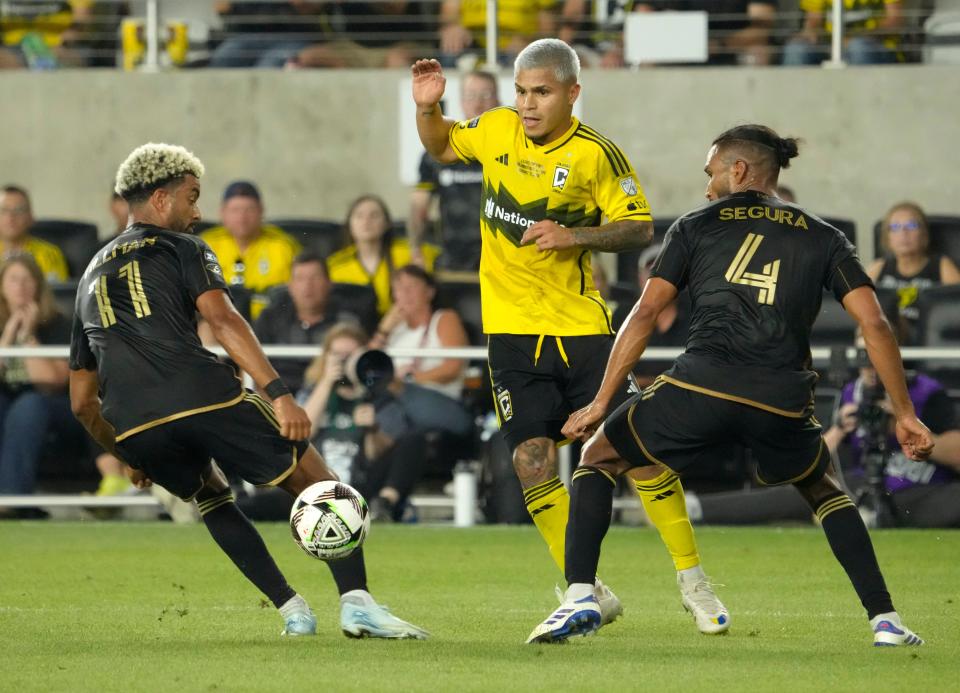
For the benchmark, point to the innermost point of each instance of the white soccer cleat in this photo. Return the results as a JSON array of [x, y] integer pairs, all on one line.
[[888, 631], [367, 619], [699, 599], [575, 618], [610, 607]]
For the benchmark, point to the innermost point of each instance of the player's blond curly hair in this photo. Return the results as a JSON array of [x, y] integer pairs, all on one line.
[[152, 165]]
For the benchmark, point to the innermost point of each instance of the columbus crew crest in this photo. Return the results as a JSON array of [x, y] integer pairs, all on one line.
[[560, 174]]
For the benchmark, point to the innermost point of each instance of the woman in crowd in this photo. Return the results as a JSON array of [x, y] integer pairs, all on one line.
[[364, 436], [373, 251], [908, 266], [33, 398], [429, 387]]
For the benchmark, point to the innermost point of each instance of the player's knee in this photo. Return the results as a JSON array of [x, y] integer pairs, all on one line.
[[815, 489], [535, 461]]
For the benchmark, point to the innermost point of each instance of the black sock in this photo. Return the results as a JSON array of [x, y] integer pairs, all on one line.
[[591, 503], [243, 544], [350, 573], [851, 545]]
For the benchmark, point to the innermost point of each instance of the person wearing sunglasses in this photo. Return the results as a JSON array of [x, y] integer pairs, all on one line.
[[908, 266]]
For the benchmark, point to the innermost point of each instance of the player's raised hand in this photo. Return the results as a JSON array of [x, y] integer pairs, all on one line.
[[293, 420], [428, 82], [548, 235], [915, 438], [584, 422]]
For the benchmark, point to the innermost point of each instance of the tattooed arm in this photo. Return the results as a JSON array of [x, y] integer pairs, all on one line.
[[614, 237]]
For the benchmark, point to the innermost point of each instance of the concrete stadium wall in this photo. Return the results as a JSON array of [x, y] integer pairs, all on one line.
[[314, 140]]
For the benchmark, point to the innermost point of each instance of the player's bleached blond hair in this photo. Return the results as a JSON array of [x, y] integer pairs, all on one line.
[[153, 165], [550, 52]]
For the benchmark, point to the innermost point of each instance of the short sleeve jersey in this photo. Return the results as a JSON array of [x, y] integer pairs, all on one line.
[[264, 263], [756, 268], [50, 259], [576, 180], [135, 324]]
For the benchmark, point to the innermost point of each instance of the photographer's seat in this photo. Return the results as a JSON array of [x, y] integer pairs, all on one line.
[[940, 327]]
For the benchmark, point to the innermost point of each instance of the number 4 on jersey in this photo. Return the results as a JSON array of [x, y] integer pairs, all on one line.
[[766, 280]]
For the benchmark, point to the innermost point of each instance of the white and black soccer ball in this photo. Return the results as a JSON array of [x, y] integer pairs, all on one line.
[[329, 520]]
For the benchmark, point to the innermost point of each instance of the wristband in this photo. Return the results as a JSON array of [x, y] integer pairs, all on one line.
[[276, 388]]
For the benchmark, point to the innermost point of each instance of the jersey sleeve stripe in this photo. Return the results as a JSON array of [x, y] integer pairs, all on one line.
[[616, 150], [610, 157]]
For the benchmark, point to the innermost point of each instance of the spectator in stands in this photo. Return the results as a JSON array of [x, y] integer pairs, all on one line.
[[458, 187], [908, 266], [738, 32], [33, 396], [671, 326], [119, 212], [16, 218], [43, 35], [871, 32], [370, 35], [266, 34], [252, 254], [429, 388], [373, 251], [599, 44], [301, 316], [463, 27], [364, 437]]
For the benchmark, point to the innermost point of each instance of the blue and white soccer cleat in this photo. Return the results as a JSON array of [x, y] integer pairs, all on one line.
[[300, 623], [575, 618], [371, 620], [888, 631], [698, 597], [610, 607]]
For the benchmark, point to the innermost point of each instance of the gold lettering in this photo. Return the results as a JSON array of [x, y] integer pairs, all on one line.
[[801, 222], [726, 214], [787, 217], [740, 213], [755, 212]]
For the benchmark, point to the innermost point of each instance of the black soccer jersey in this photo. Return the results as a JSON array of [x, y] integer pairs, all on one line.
[[135, 324], [756, 268]]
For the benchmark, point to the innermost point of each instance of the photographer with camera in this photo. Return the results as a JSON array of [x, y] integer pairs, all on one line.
[[900, 492], [358, 425]]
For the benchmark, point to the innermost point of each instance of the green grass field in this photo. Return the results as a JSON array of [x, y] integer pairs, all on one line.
[[157, 607]]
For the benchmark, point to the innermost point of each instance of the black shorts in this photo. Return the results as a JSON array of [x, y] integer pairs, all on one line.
[[682, 430], [539, 381], [245, 436]]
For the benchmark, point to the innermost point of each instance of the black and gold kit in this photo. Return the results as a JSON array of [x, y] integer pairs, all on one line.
[[756, 269], [550, 330], [135, 324]]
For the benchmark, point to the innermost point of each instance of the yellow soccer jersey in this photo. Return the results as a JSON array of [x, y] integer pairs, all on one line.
[[575, 180], [266, 262], [345, 267], [49, 258]]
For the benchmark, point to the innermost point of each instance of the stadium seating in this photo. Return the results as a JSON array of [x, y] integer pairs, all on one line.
[[464, 298], [77, 239], [942, 45], [847, 226], [65, 294], [319, 235], [940, 327], [944, 235], [833, 327]]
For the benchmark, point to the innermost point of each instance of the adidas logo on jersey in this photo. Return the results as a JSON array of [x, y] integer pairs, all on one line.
[[504, 159]]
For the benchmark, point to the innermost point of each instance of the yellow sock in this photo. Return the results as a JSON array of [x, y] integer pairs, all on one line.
[[663, 500], [549, 505]]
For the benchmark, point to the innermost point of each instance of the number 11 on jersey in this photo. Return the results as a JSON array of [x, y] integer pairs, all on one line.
[[141, 307]]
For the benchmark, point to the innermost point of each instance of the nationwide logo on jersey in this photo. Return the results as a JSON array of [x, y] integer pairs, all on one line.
[[504, 214], [560, 174], [629, 186]]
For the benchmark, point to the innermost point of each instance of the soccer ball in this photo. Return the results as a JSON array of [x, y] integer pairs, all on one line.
[[329, 520]]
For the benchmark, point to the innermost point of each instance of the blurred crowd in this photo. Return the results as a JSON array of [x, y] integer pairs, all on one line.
[[38, 34]]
